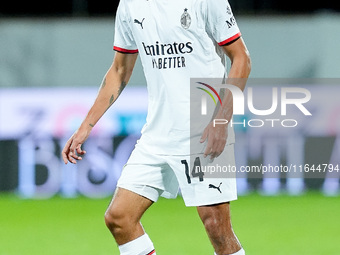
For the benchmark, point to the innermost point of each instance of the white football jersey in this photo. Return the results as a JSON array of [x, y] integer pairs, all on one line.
[[176, 41]]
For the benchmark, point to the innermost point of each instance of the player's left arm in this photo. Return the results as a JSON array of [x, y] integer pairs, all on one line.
[[240, 62], [238, 74]]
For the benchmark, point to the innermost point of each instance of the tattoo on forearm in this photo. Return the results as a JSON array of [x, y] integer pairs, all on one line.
[[111, 100], [91, 125], [121, 87]]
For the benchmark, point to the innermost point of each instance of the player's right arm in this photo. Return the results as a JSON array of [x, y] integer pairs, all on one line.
[[113, 84]]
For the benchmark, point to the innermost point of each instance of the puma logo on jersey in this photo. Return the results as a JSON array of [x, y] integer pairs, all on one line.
[[136, 21], [211, 186]]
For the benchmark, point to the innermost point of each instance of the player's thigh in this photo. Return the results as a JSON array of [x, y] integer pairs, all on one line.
[[127, 205]]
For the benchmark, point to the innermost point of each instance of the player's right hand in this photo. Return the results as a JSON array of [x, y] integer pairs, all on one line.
[[72, 150]]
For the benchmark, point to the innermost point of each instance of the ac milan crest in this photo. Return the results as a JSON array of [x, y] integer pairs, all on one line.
[[185, 19]]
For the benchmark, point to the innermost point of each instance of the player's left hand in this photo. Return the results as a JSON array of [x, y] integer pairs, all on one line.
[[217, 139]]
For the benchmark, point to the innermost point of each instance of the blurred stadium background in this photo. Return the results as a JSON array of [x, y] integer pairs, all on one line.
[[52, 59]]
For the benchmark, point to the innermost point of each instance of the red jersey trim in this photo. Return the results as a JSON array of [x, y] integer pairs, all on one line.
[[152, 252], [233, 38], [124, 50]]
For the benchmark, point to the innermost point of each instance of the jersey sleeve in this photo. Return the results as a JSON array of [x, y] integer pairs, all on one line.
[[123, 39], [220, 22]]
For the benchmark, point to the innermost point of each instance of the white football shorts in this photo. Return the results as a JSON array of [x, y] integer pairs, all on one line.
[[201, 181]]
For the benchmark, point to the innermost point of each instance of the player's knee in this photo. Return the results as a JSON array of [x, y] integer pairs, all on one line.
[[109, 220], [212, 225], [115, 220], [215, 222]]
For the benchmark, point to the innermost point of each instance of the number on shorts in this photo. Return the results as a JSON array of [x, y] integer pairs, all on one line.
[[196, 170]]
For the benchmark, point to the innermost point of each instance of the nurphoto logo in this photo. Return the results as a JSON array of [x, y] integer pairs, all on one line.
[[281, 98]]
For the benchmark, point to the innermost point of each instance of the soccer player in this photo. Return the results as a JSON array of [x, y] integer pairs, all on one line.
[[176, 40]]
